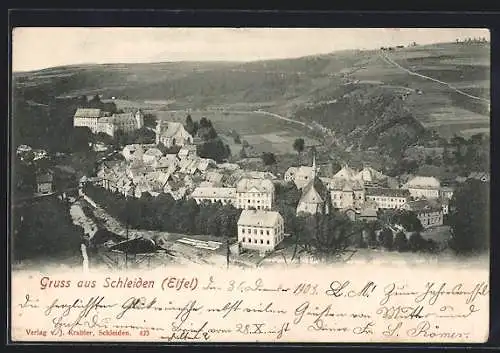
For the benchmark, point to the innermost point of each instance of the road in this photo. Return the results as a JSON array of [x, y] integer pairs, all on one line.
[[413, 73]]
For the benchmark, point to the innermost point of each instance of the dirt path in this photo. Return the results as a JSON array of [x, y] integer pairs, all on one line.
[[413, 73]]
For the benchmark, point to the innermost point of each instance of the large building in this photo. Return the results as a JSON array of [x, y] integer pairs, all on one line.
[[386, 198], [423, 187], [172, 134], [226, 196], [260, 230], [255, 194], [429, 213], [99, 121], [346, 193]]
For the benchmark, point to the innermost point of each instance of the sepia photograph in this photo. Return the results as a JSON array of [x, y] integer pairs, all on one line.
[[145, 149]]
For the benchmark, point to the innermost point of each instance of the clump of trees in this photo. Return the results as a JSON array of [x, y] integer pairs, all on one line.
[[298, 146], [212, 147], [469, 217], [44, 230]]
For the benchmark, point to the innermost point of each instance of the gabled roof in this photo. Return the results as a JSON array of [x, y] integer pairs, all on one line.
[[369, 174], [45, 177], [172, 129], [346, 173], [345, 185], [310, 194], [153, 152], [88, 113], [423, 205], [259, 218]]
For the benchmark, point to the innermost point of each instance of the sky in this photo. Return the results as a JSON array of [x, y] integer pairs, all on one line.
[[38, 48]]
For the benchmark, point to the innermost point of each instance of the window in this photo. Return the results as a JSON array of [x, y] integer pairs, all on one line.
[[242, 240], [261, 232], [267, 232], [249, 231], [268, 242], [255, 231], [243, 231], [262, 241], [255, 241]]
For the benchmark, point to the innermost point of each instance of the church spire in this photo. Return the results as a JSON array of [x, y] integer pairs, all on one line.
[[315, 169]]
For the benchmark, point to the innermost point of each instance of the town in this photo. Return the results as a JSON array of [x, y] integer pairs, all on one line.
[[247, 215]]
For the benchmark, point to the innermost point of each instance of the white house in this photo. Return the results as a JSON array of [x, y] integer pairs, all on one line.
[[172, 134], [386, 198], [255, 193], [99, 121], [260, 230], [420, 186]]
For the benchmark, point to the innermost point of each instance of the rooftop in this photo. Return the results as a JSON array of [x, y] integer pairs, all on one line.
[[214, 192], [88, 113], [259, 218], [387, 192], [260, 185]]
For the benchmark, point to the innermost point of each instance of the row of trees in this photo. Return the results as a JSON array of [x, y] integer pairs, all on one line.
[[164, 213]]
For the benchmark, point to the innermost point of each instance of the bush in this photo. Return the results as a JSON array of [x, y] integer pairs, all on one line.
[[417, 242], [386, 239], [400, 242]]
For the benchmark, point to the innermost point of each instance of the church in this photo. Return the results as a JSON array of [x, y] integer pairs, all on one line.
[[315, 196]]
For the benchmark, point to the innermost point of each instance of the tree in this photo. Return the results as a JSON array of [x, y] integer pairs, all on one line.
[[407, 219], [400, 242], [469, 217], [189, 125], [386, 238], [416, 242], [268, 158], [298, 145]]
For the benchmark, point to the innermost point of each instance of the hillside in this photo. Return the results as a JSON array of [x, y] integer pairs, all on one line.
[[366, 97]]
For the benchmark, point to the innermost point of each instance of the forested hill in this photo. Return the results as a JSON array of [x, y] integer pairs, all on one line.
[[444, 87]]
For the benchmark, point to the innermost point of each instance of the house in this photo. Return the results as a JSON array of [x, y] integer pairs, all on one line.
[[44, 182], [368, 212], [446, 192], [214, 194], [260, 230], [387, 198], [133, 152], [429, 212], [299, 175], [346, 193], [346, 173], [152, 155], [370, 176], [420, 186], [255, 193], [188, 151], [314, 199], [214, 178], [166, 162], [172, 134]]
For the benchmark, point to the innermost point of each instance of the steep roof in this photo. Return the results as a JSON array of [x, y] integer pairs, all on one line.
[[259, 218], [172, 129], [88, 113], [45, 177], [387, 192], [262, 185], [345, 173], [369, 174], [344, 184], [310, 194]]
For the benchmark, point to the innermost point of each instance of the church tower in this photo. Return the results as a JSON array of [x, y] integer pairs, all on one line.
[[139, 119], [314, 167], [158, 131]]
